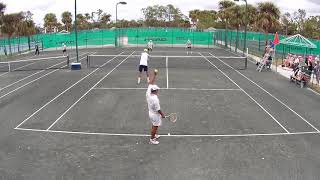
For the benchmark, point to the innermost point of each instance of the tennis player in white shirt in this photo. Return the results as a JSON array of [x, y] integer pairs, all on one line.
[[155, 113], [150, 46], [143, 66]]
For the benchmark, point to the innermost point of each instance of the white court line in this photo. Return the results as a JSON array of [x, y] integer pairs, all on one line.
[[167, 72], [249, 96], [61, 94], [185, 89], [165, 135], [32, 75], [87, 92], [161, 56], [173, 51], [34, 80], [269, 94], [236, 55], [314, 91]]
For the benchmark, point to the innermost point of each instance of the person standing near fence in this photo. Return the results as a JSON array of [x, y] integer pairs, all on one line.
[[317, 72], [189, 44], [64, 49], [37, 50]]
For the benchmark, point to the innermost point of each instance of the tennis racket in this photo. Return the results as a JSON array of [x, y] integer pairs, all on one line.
[[172, 117]]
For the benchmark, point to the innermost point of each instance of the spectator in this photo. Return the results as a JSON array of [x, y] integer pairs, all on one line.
[[317, 71]]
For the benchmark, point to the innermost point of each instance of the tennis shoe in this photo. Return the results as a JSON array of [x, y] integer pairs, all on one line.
[[153, 141]]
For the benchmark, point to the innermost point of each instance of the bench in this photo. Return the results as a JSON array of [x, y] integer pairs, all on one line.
[[298, 80]]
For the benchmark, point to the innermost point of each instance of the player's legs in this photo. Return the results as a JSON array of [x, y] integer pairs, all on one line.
[[154, 130], [140, 73], [146, 70], [156, 122]]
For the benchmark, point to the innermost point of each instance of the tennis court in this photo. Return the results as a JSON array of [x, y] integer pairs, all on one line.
[[93, 123]]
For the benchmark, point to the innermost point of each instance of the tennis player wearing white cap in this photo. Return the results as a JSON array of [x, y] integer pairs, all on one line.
[[143, 66], [155, 113], [150, 46]]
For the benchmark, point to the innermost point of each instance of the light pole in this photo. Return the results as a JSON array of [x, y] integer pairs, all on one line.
[[123, 3], [245, 31], [116, 40], [75, 28]]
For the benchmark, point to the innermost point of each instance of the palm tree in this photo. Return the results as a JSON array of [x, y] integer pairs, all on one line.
[[50, 21], [2, 9], [194, 15], [268, 17], [236, 19], [252, 15], [26, 27], [225, 15], [66, 19], [10, 25]]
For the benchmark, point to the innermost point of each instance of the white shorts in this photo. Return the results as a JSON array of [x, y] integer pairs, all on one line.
[[155, 119]]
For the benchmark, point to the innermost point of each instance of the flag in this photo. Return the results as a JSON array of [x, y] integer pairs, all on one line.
[[276, 39]]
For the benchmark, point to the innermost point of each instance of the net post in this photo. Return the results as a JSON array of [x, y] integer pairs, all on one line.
[[9, 66], [88, 61], [68, 61], [246, 60]]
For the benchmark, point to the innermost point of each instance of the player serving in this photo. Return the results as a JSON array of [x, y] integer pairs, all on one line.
[[150, 46], [143, 66], [155, 113]]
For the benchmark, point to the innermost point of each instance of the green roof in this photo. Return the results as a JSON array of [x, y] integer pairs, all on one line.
[[298, 40]]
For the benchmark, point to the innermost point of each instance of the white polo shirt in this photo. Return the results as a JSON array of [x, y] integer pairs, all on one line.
[[188, 43], [153, 102], [144, 59], [150, 45]]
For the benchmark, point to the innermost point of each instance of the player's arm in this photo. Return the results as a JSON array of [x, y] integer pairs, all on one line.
[[153, 77], [161, 113]]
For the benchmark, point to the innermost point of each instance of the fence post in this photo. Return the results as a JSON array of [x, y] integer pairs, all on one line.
[[137, 37], [172, 38], [259, 42], [230, 40], [193, 39], [237, 39]]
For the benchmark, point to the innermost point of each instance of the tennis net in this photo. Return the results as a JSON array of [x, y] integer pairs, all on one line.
[[59, 62], [177, 62]]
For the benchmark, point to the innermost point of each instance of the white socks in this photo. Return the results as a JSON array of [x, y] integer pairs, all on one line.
[[138, 80]]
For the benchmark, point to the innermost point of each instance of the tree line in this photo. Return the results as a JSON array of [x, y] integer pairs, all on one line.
[[264, 17]]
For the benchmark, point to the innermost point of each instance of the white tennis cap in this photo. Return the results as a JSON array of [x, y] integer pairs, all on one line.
[[145, 50], [154, 87]]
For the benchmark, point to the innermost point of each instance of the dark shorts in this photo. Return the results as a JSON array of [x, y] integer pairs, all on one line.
[[64, 50], [189, 47], [144, 68]]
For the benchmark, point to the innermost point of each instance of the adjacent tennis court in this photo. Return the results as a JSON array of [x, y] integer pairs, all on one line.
[[232, 123]]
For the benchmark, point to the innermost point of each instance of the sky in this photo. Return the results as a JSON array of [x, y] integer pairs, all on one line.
[[133, 9]]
